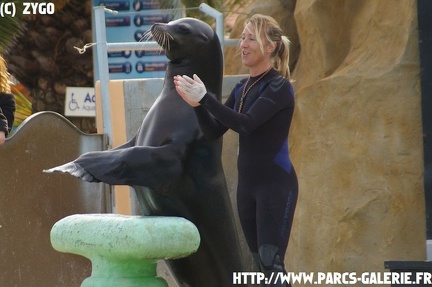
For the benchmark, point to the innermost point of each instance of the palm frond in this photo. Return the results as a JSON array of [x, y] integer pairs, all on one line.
[[12, 27]]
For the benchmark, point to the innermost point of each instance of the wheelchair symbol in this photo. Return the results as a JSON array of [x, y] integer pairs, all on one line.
[[73, 105]]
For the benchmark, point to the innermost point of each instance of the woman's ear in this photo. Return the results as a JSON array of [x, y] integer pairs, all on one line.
[[271, 47]]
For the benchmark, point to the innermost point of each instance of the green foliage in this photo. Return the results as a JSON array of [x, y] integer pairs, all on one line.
[[23, 105], [10, 27]]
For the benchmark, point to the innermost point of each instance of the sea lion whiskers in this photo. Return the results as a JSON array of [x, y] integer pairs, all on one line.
[[147, 36], [162, 36], [159, 36]]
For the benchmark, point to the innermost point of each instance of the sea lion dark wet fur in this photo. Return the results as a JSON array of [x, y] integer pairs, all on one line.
[[174, 169]]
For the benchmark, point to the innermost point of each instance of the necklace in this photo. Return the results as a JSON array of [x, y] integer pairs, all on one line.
[[245, 91]]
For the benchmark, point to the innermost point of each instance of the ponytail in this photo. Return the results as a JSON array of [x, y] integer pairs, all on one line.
[[281, 57]]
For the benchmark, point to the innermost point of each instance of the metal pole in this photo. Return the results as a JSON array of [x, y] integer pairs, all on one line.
[[219, 21], [133, 46], [102, 65]]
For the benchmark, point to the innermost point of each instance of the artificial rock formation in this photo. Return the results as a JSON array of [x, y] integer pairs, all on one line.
[[356, 138]]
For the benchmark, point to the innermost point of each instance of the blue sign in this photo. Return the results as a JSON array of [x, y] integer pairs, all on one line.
[[134, 19]]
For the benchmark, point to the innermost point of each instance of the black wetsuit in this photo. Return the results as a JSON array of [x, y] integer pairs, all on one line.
[[267, 183]]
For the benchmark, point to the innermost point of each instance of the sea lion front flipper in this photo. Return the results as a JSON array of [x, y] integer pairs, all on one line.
[[146, 166], [73, 169]]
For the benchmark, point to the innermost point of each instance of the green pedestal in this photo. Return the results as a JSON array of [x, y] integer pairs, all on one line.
[[130, 273], [124, 250]]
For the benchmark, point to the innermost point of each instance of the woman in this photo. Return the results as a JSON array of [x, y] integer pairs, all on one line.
[[260, 109], [7, 103]]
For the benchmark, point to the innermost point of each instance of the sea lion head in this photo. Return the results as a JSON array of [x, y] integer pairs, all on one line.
[[192, 47], [184, 38]]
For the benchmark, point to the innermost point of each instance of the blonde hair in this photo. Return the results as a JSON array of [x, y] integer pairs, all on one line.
[[4, 76], [267, 26]]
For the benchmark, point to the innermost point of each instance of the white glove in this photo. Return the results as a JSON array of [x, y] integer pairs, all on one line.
[[194, 88]]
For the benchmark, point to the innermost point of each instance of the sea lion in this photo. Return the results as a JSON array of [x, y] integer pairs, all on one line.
[[173, 168]]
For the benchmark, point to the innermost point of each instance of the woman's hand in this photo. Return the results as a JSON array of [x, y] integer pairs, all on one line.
[[191, 90]]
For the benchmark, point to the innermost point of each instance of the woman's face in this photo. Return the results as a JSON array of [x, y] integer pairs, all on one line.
[[251, 54]]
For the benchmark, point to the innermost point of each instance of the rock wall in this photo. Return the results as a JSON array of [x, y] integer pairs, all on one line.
[[356, 138]]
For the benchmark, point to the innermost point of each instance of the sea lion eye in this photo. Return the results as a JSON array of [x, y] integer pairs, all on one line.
[[183, 29]]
